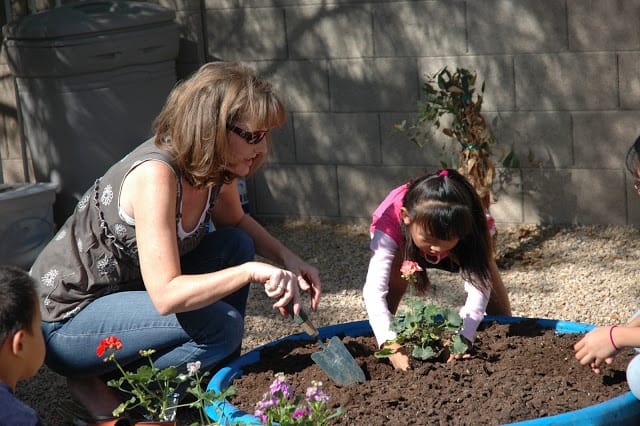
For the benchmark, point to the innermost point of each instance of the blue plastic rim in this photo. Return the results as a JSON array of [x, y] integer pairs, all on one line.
[[622, 410]]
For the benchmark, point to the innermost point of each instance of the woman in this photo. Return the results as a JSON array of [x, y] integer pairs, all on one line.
[[135, 259]]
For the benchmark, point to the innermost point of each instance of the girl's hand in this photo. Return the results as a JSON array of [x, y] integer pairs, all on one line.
[[594, 348], [400, 359], [467, 355], [453, 357]]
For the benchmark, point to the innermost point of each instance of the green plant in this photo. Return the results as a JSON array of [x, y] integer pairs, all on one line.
[[154, 389], [426, 330], [280, 405], [451, 101]]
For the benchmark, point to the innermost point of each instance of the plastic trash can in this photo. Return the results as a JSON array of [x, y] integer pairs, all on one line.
[[26, 221], [90, 79]]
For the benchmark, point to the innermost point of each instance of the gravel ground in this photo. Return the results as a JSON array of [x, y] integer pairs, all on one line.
[[585, 274]]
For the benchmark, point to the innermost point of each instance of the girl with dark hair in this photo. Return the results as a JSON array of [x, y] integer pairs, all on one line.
[[436, 221]]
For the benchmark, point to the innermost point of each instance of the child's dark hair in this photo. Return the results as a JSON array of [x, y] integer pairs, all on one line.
[[18, 301], [632, 161], [448, 207]]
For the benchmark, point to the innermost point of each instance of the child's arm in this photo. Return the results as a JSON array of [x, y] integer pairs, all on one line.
[[472, 312], [376, 286], [602, 344], [499, 302]]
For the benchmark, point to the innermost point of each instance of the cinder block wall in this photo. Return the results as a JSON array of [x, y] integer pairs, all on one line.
[[562, 83]]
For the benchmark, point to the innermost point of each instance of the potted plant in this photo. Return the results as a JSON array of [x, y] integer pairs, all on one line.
[[452, 102], [154, 390], [426, 331]]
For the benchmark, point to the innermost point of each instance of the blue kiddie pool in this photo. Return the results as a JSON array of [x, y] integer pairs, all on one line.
[[622, 410]]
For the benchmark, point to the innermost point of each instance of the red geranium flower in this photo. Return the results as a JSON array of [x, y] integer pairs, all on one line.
[[111, 342]]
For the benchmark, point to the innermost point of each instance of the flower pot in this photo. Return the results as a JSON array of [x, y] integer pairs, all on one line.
[[624, 409]]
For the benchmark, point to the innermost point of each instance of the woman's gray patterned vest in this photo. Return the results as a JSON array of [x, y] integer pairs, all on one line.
[[95, 252]]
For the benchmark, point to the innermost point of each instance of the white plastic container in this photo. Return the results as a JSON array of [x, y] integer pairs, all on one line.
[[26, 221]]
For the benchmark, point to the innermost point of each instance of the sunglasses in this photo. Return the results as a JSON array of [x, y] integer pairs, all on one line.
[[252, 138]]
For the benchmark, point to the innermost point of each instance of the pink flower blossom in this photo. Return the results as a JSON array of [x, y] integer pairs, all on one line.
[[408, 269]]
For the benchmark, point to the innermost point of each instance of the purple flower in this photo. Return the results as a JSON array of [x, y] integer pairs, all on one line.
[[315, 394], [301, 412], [280, 384]]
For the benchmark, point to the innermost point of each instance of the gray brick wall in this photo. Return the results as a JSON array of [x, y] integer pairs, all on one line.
[[562, 87]]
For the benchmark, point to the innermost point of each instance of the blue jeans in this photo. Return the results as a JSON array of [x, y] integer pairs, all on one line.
[[633, 371], [208, 335]]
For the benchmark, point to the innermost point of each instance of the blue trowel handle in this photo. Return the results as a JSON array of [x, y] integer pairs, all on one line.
[[302, 320]]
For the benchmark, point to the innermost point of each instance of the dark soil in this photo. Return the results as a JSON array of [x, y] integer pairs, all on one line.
[[518, 372]]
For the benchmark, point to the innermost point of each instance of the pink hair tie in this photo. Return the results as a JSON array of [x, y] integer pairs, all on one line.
[[443, 173]]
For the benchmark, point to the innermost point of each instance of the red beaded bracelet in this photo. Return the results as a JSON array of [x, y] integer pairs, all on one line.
[[611, 337]]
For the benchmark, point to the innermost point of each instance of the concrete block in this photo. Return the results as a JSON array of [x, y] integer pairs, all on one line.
[[507, 26], [283, 146], [495, 71], [398, 149], [362, 188], [221, 4], [603, 25], [601, 139], [329, 31], [366, 85], [566, 81], [296, 191], [241, 34], [422, 28], [629, 79], [303, 85], [537, 138], [507, 201], [343, 138], [574, 196]]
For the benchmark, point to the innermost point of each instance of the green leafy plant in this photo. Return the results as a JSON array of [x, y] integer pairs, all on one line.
[[426, 330], [154, 389], [280, 406], [453, 103]]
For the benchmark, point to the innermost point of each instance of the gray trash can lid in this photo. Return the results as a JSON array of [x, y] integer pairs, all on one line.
[[87, 18]]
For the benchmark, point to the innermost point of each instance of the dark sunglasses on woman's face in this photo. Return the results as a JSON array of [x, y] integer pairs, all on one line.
[[252, 138]]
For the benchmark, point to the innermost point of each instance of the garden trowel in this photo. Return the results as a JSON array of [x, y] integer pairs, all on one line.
[[334, 358]]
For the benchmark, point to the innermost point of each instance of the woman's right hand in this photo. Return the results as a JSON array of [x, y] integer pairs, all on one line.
[[400, 359], [279, 284]]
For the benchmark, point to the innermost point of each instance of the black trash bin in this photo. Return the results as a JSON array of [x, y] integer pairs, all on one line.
[[90, 79]]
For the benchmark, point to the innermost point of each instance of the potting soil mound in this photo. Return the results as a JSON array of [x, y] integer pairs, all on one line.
[[518, 372]]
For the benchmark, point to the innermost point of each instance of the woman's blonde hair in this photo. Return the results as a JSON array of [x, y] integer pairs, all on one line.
[[192, 125]]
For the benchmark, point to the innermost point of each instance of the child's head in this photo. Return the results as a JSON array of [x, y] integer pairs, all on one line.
[[442, 213], [22, 347]]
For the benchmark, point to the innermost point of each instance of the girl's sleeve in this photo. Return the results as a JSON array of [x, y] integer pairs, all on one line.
[[376, 287], [473, 310]]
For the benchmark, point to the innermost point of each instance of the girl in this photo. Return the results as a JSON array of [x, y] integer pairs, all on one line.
[[436, 220], [603, 343]]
